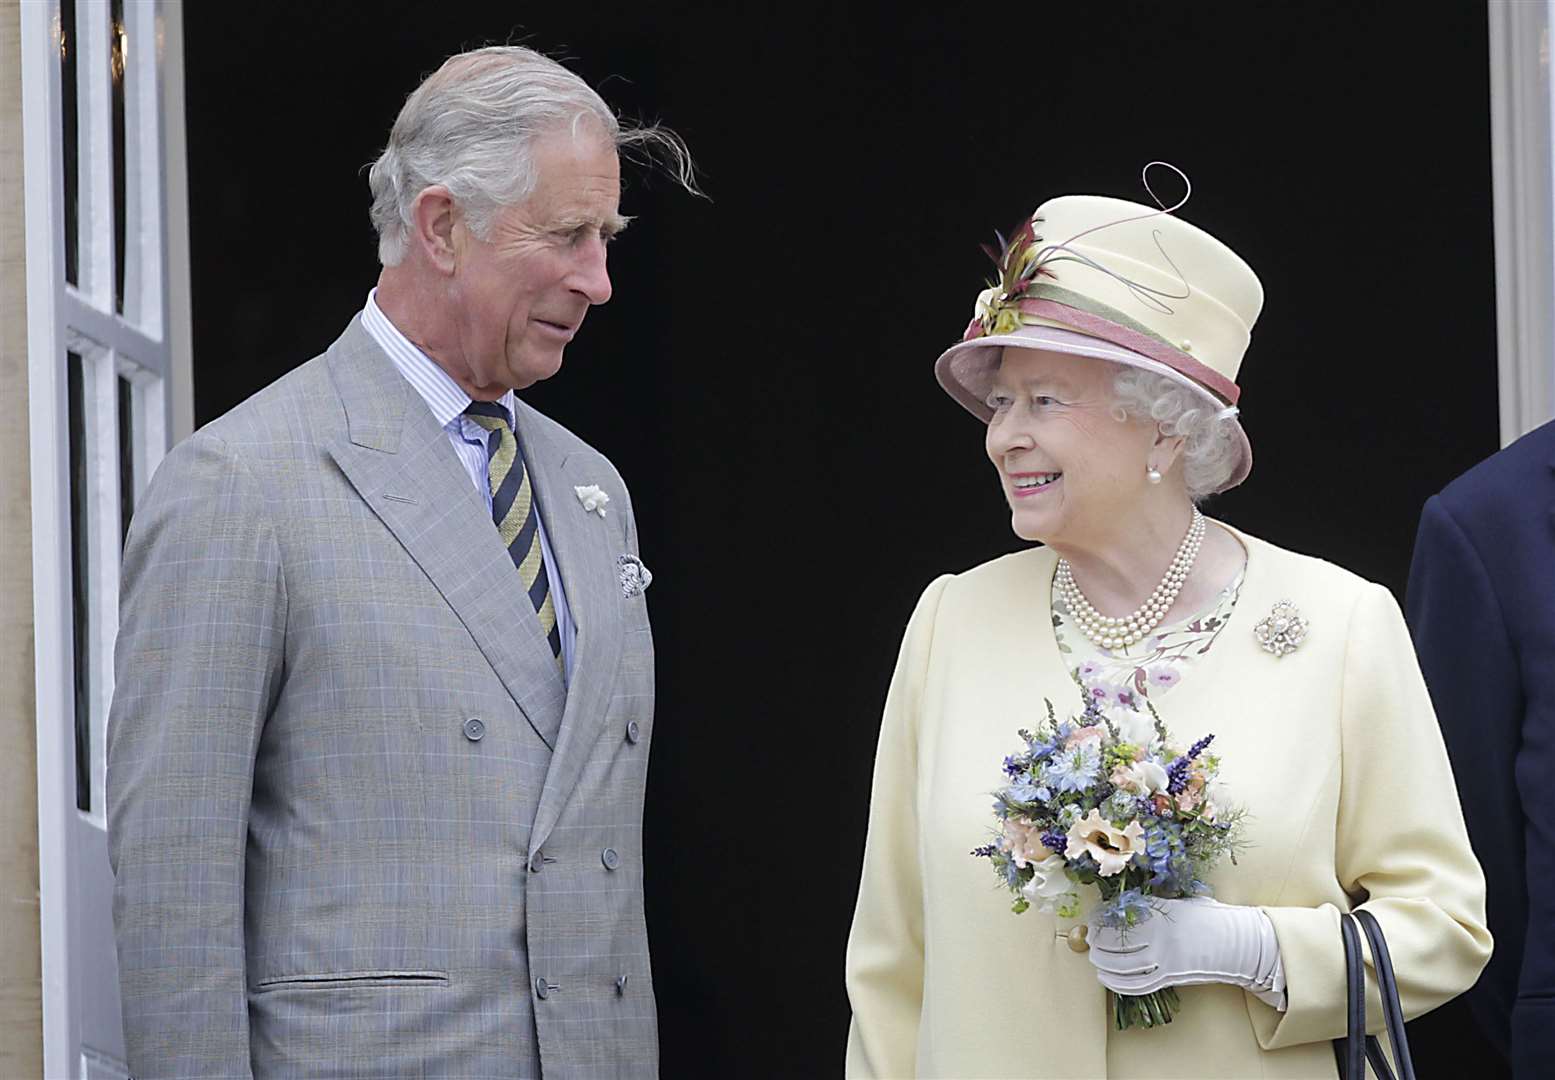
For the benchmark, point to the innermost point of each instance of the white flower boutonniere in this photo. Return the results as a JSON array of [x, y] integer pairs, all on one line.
[[592, 498]]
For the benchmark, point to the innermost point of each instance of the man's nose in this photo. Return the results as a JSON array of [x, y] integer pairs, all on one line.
[[592, 277]]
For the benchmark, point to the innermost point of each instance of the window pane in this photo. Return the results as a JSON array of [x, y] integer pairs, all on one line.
[[79, 564], [126, 457], [71, 128], [118, 47]]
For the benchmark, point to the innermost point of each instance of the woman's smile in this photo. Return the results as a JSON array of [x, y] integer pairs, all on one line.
[[1025, 485]]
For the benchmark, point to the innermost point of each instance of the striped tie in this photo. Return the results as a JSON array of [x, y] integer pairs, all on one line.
[[513, 509]]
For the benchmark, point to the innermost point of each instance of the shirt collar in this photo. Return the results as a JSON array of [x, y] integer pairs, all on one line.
[[445, 397]]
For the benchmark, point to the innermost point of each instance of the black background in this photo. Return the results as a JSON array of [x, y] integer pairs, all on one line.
[[762, 377]]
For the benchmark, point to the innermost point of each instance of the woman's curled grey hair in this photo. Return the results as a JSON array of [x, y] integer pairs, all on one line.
[[470, 126], [1210, 448]]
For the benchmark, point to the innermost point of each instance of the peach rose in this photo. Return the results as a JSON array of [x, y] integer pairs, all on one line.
[[1023, 841]]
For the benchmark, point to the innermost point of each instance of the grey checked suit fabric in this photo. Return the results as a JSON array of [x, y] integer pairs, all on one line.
[[325, 866]]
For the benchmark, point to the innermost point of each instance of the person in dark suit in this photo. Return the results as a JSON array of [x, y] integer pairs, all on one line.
[[1481, 606]]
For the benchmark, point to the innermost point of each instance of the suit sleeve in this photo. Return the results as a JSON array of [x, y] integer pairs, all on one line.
[[1461, 638], [1400, 844], [198, 664], [885, 947]]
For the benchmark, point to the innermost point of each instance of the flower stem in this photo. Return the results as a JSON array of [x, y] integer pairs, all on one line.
[[1146, 1010]]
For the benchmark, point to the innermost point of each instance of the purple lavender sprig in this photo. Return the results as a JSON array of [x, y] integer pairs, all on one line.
[[1055, 840], [1177, 771]]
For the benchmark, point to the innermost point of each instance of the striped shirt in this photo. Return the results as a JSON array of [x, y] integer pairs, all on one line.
[[447, 400]]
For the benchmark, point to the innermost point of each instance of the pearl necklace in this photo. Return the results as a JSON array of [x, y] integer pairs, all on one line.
[[1122, 632]]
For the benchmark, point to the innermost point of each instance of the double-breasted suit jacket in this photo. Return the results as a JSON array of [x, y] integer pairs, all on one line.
[[359, 825]]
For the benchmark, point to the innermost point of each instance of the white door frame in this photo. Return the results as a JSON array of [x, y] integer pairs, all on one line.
[[134, 362], [1521, 168]]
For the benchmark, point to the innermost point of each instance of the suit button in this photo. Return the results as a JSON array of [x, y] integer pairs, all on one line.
[[1076, 937], [535, 862], [610, 858], [541, 989], [621, 985], [474, 729], [634, 733]]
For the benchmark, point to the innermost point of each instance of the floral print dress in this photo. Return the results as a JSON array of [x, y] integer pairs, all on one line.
[[1123, 681]]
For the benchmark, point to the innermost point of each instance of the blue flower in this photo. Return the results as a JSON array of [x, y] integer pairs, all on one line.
[[1036, 748], [1074, 769], [1120, 806], [1171, 871], [1129, 908], [1027, 792], [1177, 771]]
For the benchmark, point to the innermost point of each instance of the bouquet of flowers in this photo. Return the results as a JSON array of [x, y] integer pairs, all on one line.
[[1084, 807]]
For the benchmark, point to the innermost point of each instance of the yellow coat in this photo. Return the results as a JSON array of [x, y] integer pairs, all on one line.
[[1333, 750]]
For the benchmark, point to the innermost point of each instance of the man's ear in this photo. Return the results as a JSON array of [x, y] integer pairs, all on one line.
[[434, 220]]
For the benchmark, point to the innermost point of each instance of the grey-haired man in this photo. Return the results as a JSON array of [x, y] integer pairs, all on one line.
[[384, 684]]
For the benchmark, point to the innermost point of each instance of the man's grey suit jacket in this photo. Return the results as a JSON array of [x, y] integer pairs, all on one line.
[[358, 826]]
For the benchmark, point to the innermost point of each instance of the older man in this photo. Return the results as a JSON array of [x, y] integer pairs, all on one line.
[[384, 676]]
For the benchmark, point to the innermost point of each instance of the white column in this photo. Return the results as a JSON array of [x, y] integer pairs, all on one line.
[[1522, 104]]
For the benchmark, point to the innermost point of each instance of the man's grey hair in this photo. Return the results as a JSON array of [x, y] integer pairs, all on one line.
[[471, 127], [1210, 447]]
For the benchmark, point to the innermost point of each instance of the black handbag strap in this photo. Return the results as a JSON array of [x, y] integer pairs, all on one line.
[[1392, 1008], [1353, 1054], [1357, 1047]]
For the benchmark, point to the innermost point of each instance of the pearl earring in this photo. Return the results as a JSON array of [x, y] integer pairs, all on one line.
[[1152, 474]]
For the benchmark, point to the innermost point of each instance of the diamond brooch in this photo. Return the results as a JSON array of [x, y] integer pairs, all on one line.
[[1282, 630]]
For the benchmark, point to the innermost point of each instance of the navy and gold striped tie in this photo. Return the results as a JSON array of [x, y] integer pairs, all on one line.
[[513, 509]]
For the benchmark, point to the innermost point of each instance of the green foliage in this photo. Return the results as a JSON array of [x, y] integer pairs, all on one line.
[[1120, 755]]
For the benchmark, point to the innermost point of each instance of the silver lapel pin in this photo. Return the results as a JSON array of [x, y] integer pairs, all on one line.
[[1282, 630]]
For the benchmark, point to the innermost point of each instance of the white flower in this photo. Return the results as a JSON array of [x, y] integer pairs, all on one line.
[[1050, 881], [1143, 778], [592, 498], [1136, 728]]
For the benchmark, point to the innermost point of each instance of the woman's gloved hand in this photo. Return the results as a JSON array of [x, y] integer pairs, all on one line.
[[1197, 940]]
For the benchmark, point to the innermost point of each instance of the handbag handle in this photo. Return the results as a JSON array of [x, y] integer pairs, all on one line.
[[1358, 1047], [1392, 1008]]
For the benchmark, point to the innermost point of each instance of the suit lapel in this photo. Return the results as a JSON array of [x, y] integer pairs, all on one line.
[[401, 463], [586, 558]]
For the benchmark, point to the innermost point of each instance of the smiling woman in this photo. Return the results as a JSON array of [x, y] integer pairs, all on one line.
[[1104, 363]]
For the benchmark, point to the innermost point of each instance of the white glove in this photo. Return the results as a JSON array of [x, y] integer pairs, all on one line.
[[1198, 940]]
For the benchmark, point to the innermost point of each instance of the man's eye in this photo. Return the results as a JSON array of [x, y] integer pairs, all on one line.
[[997, 402], [1042, 401]]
